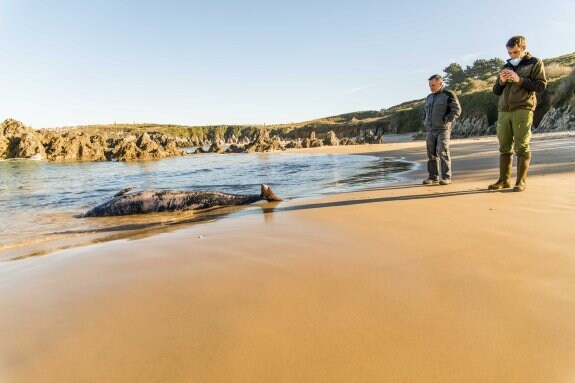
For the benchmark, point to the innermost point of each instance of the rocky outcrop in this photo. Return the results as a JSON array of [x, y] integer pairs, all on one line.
[[27, 146], [369, 137], [74, 146], [233, 148], [347, 141], [473, 126], [143, 148], [312, 142], [556, 120], [467, 127], [173, 150], [4, 143], [216, 147], [19, 141], [165, 140], [294, 144], [264, 143], [331, 139]]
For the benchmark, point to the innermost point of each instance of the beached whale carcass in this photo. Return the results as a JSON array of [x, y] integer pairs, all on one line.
[[125, 203]]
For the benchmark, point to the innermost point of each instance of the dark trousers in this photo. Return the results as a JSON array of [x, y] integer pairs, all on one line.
[[438, 153]]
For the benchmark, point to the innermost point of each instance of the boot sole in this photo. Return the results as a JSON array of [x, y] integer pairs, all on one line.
[[492, 187]]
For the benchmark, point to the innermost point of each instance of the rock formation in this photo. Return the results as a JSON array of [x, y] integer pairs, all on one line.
[[294, 144], [369, 137], [557, 120], [73, 146], [312, 142], [263, 143], [19, 141], [331, 139], [347, 141], [233, 148], [216, 148], [472, 126], [467, 127], [143, 148]]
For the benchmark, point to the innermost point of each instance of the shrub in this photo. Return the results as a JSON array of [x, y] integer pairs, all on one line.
[[556, 70], [565, 92], [473, 85]]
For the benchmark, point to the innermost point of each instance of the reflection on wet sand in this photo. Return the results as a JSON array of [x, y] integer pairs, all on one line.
[[132, 228]]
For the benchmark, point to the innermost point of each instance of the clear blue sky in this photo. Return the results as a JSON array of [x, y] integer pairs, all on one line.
[[241, 62]]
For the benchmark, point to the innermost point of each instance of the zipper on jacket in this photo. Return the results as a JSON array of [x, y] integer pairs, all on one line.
[[431, 111], [511, 87]]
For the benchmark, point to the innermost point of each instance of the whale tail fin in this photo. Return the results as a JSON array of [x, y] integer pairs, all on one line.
[[268, 194]]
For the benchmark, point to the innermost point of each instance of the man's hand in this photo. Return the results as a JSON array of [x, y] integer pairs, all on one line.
[[504, 76], [513, 76], [508, 75]]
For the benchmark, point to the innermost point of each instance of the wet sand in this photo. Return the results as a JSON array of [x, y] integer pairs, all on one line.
[[407, 283]]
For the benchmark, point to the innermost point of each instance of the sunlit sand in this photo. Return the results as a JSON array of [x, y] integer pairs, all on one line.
[[405, 283]]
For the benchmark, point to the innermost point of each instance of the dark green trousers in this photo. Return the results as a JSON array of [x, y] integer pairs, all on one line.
[[514, 132]]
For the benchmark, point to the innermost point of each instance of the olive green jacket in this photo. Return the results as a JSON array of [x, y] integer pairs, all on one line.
[[521, 95]]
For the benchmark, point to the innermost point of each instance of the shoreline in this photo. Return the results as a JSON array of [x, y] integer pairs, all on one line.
[[404, 282], [398, 146], [53, 227]]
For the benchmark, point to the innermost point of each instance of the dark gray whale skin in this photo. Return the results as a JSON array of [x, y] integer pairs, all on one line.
[[170, 200]]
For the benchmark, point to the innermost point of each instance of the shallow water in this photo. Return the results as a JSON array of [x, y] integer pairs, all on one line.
[[39, 200]]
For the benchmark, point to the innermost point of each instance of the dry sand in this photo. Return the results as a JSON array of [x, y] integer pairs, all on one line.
[[407, 283]]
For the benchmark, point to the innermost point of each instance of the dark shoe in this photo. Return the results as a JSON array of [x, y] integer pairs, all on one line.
[[522, 167], [505, 161], [430, 181], [445, 181]]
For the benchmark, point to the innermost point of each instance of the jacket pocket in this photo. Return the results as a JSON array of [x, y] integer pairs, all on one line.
[[439, 110]]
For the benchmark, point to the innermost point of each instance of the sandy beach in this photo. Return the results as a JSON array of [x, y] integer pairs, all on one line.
[[405, 283]]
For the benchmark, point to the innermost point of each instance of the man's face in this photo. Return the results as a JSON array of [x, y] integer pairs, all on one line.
[[435, 85], [516, 52]]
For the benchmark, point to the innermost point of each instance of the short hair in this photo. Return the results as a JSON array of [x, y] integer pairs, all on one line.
[[518, 41], [436, 77]]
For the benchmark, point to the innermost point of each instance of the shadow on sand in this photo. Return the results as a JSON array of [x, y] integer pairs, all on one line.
[[279, 209], [132, 231]]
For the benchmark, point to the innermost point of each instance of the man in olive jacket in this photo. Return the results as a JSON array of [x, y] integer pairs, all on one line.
[[440, 110], [520, 78]]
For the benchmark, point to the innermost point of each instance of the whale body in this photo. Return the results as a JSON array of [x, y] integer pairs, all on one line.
[[150, 201]]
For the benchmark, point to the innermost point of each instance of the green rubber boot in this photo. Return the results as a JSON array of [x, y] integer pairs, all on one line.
[[505, 161], [522, 166]]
